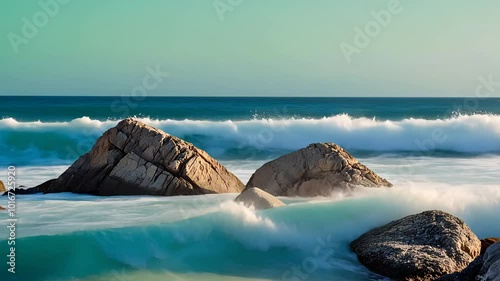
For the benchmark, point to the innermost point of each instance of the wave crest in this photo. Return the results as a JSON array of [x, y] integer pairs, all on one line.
[[477, 133]]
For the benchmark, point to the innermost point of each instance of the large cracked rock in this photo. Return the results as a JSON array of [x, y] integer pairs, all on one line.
[[316, 170], [420, 247], [136, 159]]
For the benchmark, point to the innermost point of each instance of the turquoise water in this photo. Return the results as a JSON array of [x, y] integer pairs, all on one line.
[[237, 108], [438, 155]]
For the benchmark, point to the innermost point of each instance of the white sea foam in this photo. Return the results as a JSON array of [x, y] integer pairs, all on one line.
[[478, 133], [146, 233]]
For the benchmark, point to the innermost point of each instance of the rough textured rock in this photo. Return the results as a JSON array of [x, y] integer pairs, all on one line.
[[2, 208], [468, 274], [2, 187], [487, 242], [424, 246], [479, 270], [490, 271], [258, 198], [136, 159], [316, 170]]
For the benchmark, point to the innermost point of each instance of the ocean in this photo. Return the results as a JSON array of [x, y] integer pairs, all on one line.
[[440, 153]]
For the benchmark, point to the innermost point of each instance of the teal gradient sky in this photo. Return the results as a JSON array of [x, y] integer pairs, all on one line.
[[260, 48]]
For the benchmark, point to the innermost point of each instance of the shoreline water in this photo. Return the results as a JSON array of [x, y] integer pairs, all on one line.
[[65, 215], [154, 223], [192, 238]]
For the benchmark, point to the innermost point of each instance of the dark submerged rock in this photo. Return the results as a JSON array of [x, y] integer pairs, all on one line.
[[424, 246]]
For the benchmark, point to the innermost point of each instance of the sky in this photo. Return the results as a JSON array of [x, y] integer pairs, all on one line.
[[248, 47]]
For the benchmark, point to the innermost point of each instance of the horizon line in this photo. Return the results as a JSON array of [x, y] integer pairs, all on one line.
[[123, 96]]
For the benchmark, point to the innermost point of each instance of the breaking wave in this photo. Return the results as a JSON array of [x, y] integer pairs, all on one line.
[[477, 133]]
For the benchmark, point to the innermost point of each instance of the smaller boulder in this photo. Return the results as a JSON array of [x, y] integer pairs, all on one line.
[[259, 199], [2, 208]]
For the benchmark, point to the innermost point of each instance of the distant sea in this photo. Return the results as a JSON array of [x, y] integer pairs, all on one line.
[[440, 153]]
